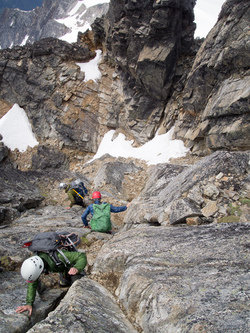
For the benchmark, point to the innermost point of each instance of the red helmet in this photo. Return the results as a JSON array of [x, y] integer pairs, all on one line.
[[96, 195]]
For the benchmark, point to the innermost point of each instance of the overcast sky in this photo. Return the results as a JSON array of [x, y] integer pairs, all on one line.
[[206, 15]]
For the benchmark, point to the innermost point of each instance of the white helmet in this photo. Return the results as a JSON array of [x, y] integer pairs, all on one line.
[[62, 185], [32, 268]]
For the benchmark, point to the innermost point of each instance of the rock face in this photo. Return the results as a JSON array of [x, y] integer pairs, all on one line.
[[10, 320], [135, 29], [190, 279], [208, 189], [151, 80], [19, 27], [159, 82], [17, 194], [161, 276], [45, 80], [145, 40], [213, 109], [94, 309]]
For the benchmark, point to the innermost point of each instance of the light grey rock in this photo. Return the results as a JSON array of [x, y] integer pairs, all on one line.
[[181, 209], [87, 307], [195, 194], [210, 209], [167, 185], [181, 279], [211, 191], [13, 294], [111, 176]]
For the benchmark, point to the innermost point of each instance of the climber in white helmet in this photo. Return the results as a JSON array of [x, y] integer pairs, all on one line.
[[33, 267]]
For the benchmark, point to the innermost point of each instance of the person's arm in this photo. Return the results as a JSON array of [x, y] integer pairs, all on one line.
[[30, 298], [114, 209], [84, 216], [77, 259], [84, 189], [31, 292]]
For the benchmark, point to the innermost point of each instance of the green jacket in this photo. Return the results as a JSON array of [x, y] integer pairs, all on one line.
[[77, 260]]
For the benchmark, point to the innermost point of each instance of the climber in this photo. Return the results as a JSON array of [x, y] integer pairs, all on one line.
[[76, 191], [100, 212], [33, 267]]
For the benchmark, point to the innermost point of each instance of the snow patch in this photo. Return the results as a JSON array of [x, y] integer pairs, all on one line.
[[159, 150], [90, 68], [16, 130], [90, 3], [24, 40]]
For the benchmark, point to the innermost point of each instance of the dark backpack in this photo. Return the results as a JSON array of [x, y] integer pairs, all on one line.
[[53, 243], [78, 186], [101, 218]]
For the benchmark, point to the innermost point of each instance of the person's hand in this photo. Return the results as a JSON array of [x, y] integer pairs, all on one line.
[[129, 204], [73, 271], [23, 308], [67, 207]]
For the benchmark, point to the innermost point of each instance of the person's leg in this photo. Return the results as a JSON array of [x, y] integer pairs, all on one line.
[[77, 276], [64, 279], [41, 287]]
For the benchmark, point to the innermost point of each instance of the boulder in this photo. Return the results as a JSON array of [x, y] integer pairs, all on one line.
[[182, 209], [48, 158], [87, 307], [171, 187]]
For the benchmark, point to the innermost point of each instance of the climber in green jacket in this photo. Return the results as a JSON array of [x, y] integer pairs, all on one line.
[[76, 194], [33, 267]]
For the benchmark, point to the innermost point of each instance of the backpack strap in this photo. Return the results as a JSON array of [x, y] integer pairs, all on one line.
[[53, 255], [65, 258], [71, 242]]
